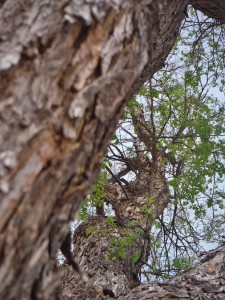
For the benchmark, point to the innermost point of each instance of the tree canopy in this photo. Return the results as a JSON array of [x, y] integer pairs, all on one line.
[[176, 117]]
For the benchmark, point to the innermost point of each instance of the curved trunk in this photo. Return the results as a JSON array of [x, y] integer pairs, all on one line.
[[204, 281], [211, 8], [66, 70], [113, 251]]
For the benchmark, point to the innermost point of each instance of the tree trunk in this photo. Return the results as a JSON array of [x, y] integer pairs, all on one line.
[[106, 253], [204, 281], [211, 8], [66, 71]]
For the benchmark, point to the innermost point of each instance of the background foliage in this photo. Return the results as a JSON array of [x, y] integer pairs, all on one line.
[[182, 112]]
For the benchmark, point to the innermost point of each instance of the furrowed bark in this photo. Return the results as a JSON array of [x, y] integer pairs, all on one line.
[[112, 278], [213, 9], [98, 252], [66, 68], [204, 281]]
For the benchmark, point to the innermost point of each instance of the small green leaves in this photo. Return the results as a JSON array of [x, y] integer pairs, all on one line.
[[111, 221], [157, 224], [97, 196], [146, 209], [181, 263], [90, 230], [136, 257], [132, 224], [104, 232]]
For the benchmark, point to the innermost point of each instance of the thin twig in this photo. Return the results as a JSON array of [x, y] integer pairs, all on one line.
[[118, 181]]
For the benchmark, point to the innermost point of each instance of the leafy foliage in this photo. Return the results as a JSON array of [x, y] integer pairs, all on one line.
[[178, 118], [97, 195]]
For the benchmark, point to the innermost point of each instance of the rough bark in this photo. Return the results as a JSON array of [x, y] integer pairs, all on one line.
[[204, 281], [66, 70], [118, 275], [213, 9]]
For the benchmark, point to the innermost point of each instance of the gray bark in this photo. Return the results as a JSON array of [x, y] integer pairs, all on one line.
[[213, 9], [204, 281], [66, 71], [118, 275]]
